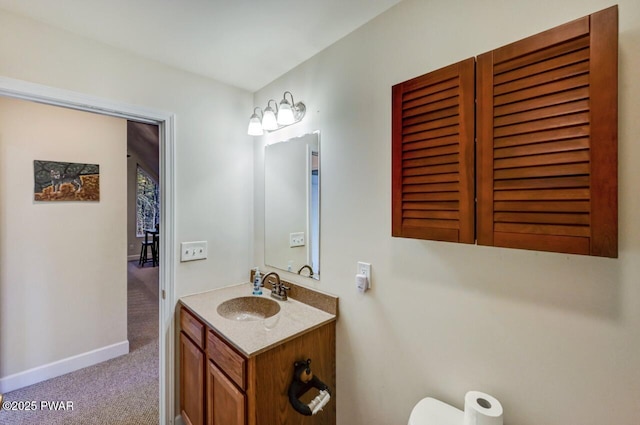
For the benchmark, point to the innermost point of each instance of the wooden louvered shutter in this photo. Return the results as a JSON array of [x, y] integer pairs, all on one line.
[[547, 140], [433, 155]]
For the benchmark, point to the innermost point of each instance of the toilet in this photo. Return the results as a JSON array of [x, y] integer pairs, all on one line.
[[430, 411]]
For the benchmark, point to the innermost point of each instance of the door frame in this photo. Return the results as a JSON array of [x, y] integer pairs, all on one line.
[[24, 90]]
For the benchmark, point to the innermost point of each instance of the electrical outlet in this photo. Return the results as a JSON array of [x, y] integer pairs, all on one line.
[[296, 239], [190, 251], [365, 269]]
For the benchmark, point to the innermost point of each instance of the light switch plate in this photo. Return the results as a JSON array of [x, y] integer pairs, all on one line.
[[296, 239], [190, 251]]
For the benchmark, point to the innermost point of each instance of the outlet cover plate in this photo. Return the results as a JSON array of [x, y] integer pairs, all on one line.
[[296, 239], [365, 269], [190, 251]]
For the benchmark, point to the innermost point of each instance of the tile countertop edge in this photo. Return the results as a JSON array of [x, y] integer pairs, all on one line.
[[191, 301]]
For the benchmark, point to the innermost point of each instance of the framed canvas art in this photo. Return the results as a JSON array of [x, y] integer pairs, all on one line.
[[66, 181]]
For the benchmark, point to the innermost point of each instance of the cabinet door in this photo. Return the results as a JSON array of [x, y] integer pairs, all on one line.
[[433, 155], [547, 140], [225, 402], [192, 364]]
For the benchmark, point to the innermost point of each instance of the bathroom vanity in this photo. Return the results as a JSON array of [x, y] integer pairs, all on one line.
[[236, 369]]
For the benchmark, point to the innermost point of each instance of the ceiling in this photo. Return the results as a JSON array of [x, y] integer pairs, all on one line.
[[244, 43], [144, 142]]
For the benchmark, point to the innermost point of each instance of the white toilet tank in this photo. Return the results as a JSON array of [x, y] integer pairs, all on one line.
[[430, 411]]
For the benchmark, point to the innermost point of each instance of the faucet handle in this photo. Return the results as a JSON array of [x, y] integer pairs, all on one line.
[[275, 285]]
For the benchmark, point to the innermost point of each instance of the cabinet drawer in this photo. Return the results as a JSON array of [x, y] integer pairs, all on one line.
[[232, 363], [192, 327]]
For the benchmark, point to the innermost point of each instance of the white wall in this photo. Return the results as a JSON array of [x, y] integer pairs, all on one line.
[[212, 147], [63, 280], [213, 154], [555, 337]]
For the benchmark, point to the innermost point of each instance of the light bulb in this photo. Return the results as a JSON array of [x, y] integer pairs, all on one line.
[[255, 127], [285, 113], [269, 119]]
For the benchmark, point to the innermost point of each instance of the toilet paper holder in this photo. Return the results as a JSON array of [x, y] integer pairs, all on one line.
[[303, 381]]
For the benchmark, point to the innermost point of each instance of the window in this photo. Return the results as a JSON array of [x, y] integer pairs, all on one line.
[[147, 203]]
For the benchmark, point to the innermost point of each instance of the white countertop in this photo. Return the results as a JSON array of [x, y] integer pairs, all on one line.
[[254, 337]]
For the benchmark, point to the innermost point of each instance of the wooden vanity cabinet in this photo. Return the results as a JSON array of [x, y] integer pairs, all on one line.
[[192, 364], [226, 403], [221, 386], [271, 373], [226, 385]]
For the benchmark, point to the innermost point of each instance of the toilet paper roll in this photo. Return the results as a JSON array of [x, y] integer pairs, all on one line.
[[481, 409]]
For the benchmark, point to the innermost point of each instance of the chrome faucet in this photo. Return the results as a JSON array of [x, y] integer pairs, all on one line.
[[279, 290], [306, 266]]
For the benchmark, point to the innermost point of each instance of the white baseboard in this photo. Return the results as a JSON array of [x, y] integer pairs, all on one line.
[[61, 367], [179, 420]]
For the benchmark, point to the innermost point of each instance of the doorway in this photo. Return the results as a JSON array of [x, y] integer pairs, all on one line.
[[165, 121], [143, 293]]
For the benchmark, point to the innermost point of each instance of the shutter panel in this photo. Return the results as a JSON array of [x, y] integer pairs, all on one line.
[[547, 140], [433, 155]]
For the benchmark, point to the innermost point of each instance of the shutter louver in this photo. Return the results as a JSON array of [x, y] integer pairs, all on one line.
[[547, 140], [433, 155]]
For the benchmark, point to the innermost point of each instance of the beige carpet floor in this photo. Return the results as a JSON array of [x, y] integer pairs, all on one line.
[[123, 390]]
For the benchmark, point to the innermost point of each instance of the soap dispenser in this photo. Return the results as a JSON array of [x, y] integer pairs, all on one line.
[[257, 289]]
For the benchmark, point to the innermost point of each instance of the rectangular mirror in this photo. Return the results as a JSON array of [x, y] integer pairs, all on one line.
[[292, 205]]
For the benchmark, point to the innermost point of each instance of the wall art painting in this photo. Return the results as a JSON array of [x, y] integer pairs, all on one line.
[[66, 181]]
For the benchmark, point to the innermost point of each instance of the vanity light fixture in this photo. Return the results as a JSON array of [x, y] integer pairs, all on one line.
[[255, 126], [286, 114], [269, 121]]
